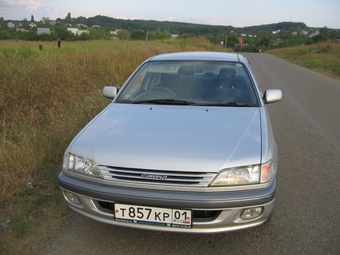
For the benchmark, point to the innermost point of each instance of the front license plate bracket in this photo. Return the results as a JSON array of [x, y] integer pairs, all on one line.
[[149, 215]]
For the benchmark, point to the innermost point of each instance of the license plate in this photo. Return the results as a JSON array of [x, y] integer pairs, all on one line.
[[153, 215]]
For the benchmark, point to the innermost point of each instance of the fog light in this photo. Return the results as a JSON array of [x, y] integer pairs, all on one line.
[[72, 198], [251, 213]]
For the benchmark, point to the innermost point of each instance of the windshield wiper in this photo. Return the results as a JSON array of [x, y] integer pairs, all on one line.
[[167, 101], [229, 104], [163, 101]]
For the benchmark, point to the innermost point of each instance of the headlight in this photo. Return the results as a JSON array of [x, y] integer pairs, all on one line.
[[80, 165], [237, 176], [245, 175]]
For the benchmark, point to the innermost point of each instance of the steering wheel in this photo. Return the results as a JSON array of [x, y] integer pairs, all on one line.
[[163, 89]]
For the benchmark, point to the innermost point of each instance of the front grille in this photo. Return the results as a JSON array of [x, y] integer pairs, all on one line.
[[181, 178]]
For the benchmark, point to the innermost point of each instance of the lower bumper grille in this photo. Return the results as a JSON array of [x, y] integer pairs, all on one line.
[[197, 214]]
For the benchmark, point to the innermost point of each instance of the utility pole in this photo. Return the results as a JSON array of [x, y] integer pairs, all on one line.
[[226, 40]]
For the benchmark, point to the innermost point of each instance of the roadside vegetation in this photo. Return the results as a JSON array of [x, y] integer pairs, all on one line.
[[46, 97], [321, 57], [47, 94]]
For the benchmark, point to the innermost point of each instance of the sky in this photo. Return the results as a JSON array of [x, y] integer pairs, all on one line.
[[236, 13]]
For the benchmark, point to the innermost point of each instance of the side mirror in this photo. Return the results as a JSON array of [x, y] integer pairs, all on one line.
[[272, 96], [110, 92]]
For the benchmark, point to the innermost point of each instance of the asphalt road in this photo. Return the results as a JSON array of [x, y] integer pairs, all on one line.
[[306, 217]]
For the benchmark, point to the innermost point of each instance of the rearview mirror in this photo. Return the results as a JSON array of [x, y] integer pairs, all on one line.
[[190, 70], [272, 96], [110, 92]]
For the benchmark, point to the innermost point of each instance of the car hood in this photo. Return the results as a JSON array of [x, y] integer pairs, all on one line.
[[168, 137]]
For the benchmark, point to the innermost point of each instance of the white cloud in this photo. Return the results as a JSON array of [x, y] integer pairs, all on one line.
[[251, 2], [16, 10], [6, 2], [215, 22], [33, 5], [130, 18], [30, 4]]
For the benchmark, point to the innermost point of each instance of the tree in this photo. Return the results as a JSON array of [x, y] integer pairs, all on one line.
[[334, 34], [123, 34], [68, 18], [62, 32], [324, 31], [84, 37], [158, 35], [46, 19], [98, 33], [319, 38], [264, 41], [138, 35], [232, 39], [81, 20], [4, 35]]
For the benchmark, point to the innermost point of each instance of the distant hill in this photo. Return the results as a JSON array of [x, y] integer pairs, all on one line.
[[175, 27], [252, 38], [179, 27], [285, 26]]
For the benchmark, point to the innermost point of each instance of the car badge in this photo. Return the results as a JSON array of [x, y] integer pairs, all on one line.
[[154, 176]]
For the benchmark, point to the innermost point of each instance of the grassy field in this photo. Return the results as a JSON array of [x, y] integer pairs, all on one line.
[[46, 97], [323, 57]]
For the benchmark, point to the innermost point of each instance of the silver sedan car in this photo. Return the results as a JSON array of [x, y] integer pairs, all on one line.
[[186, 145]]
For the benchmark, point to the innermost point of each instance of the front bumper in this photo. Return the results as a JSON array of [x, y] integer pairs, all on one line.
[[222, 210]]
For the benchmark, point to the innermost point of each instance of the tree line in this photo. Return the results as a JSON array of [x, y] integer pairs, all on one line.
[[100, 27]]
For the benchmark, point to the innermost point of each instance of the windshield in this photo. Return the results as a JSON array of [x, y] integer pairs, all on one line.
[[190, 83]]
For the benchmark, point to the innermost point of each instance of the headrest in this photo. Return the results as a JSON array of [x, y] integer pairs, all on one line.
[[227, 70]]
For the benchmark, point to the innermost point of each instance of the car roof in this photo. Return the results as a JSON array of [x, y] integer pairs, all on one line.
[[199, 55]]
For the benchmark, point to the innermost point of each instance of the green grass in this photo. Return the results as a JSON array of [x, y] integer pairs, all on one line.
[[46, 97], [323, 57]]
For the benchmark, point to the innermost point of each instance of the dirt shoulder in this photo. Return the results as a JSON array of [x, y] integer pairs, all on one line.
[[41, 229]]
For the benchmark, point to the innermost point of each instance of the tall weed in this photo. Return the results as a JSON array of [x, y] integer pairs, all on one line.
[[322, 57], [46, 97]]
